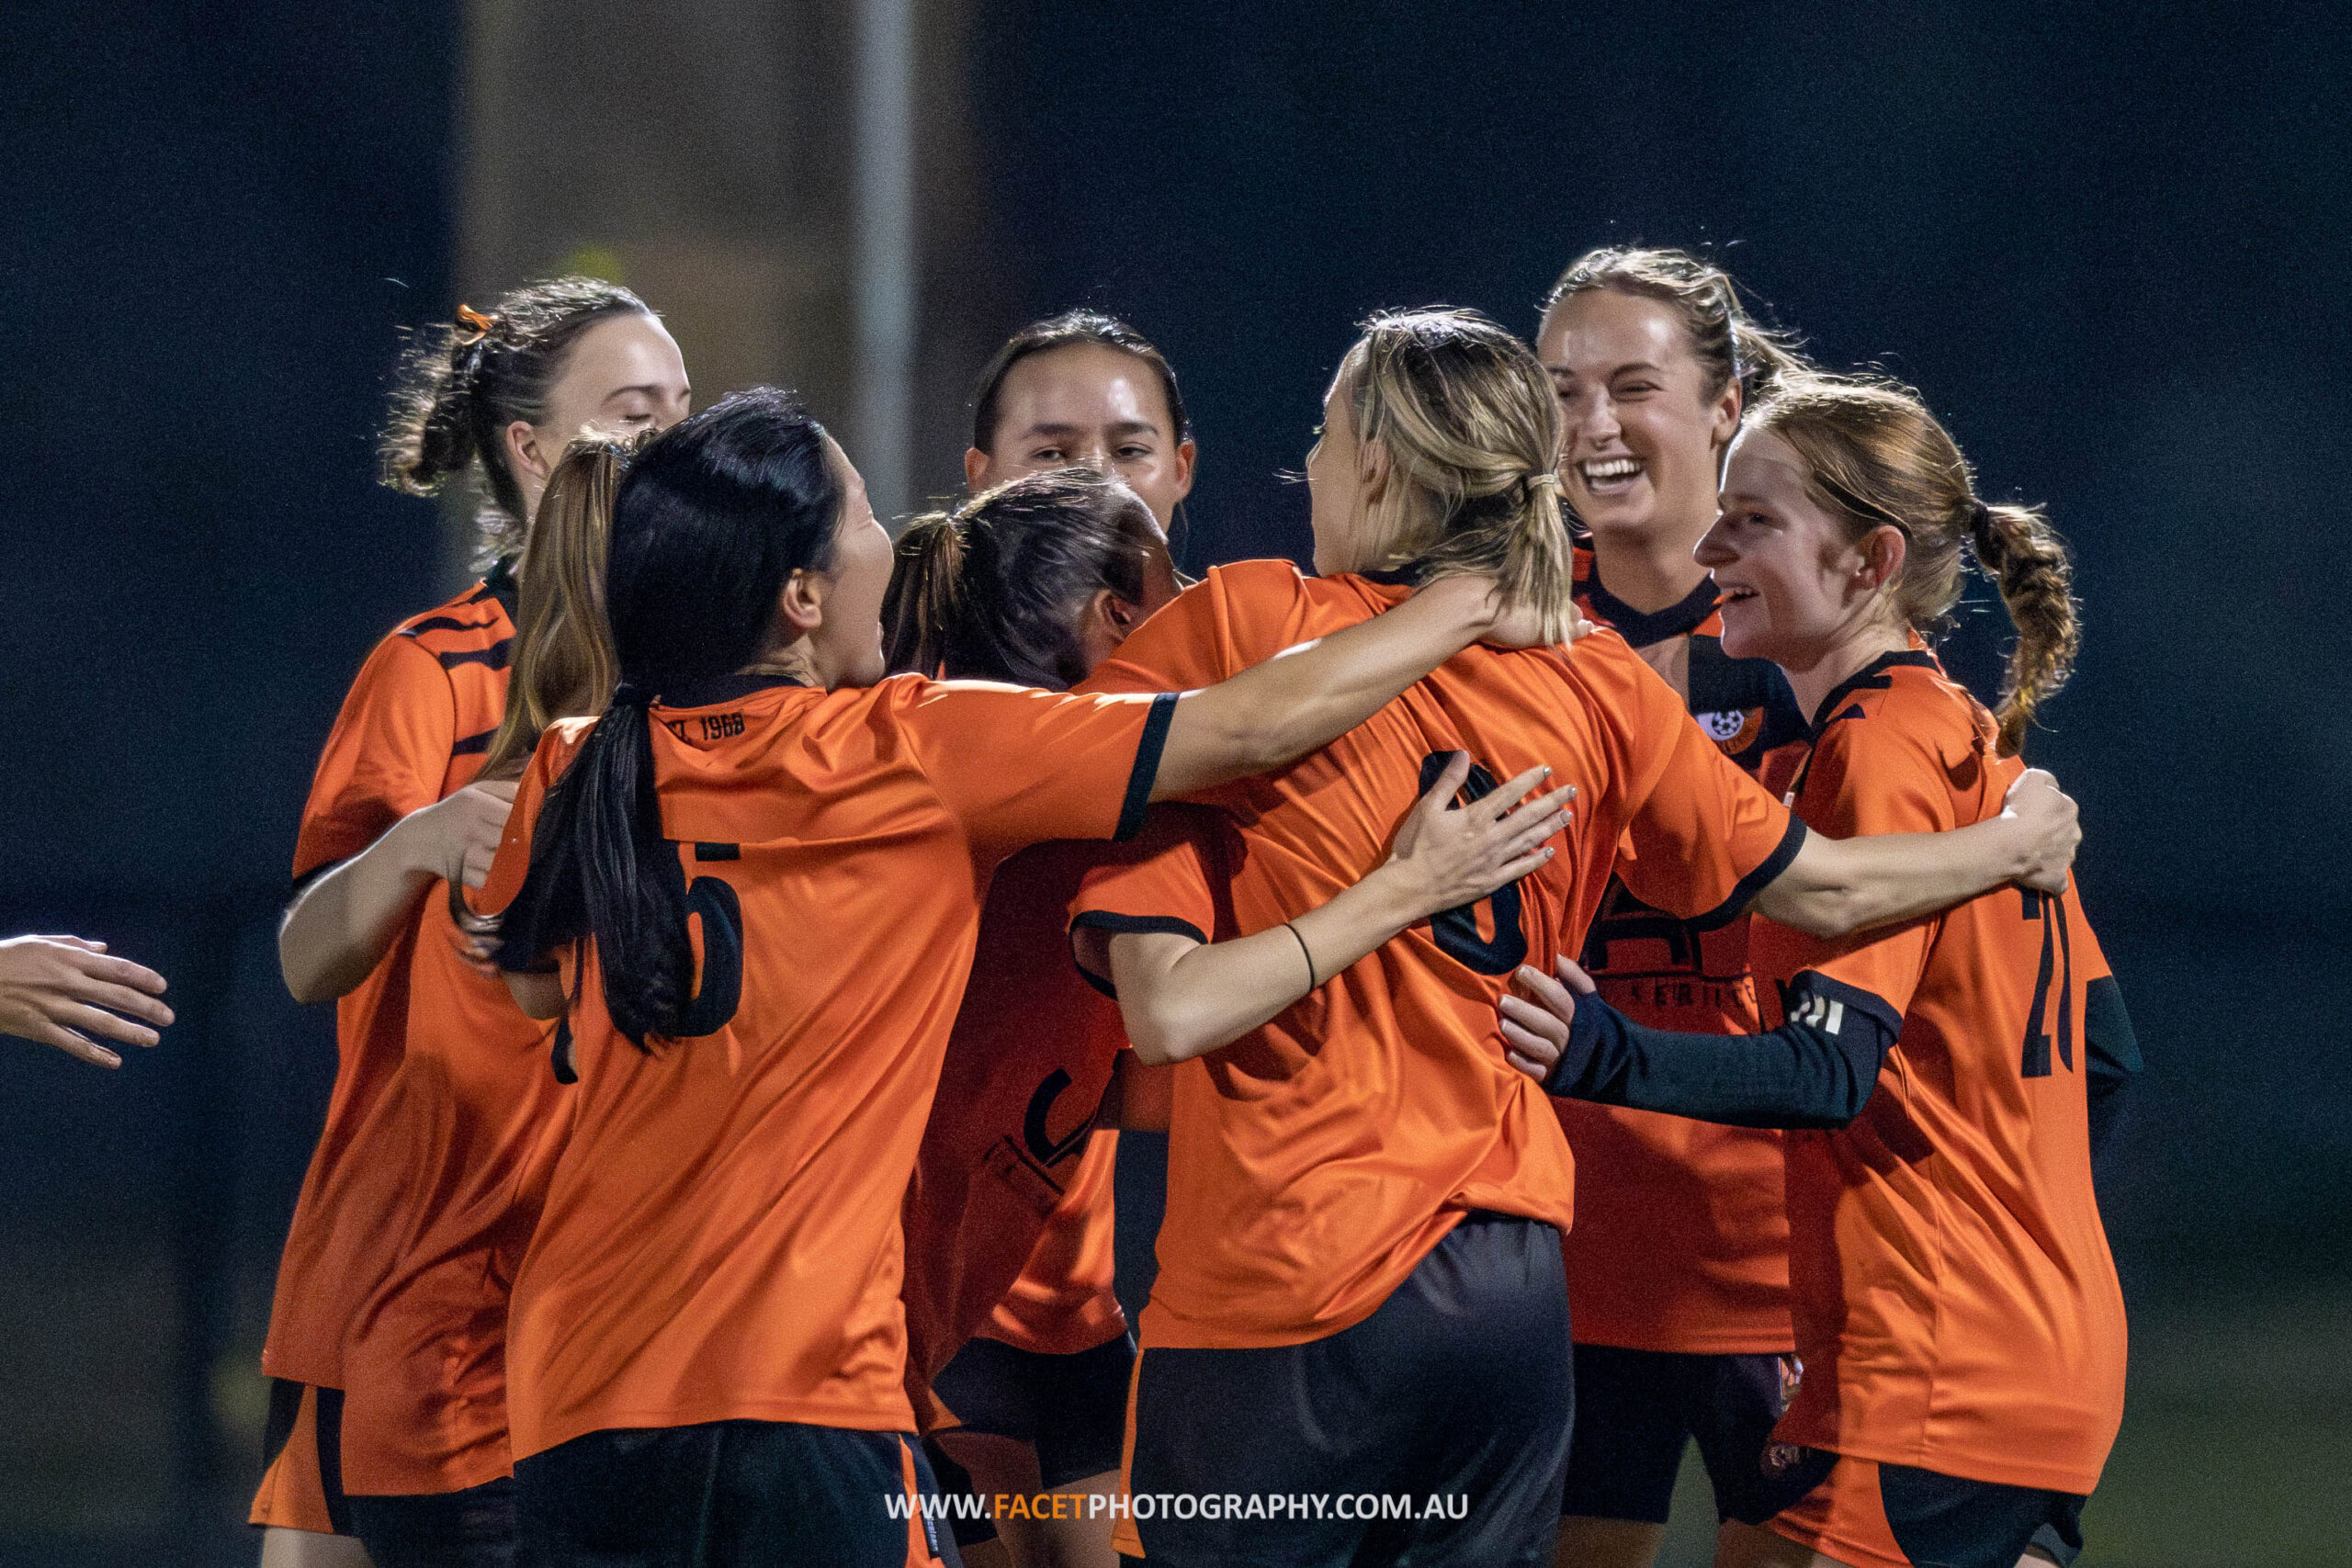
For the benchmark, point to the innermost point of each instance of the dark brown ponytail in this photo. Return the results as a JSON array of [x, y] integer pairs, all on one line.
[[997, 589], [926, 597]]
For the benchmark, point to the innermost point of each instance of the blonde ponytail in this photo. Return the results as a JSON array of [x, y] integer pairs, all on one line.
[[563, 665], [1471, 427]]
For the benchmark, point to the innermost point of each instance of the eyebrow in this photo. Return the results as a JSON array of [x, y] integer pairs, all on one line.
[[650, 388], [1618, 370], [1125, 427]]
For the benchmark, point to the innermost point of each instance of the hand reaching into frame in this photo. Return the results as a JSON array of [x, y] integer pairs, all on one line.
[[61, 991]]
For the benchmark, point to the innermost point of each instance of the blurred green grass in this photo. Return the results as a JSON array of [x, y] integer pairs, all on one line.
[[2236, 1448]]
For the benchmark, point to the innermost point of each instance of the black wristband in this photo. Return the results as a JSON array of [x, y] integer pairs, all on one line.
[[1303, 952]]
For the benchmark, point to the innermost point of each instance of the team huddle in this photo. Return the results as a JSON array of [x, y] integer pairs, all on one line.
[[1604, 986]]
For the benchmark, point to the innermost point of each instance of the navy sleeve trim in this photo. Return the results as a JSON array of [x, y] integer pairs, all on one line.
[[1146, 768], [2107, 1030], [2111, 1059], [1756, 881], [1103, 921]]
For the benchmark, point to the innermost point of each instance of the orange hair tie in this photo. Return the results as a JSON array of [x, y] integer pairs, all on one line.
[[482, 325]]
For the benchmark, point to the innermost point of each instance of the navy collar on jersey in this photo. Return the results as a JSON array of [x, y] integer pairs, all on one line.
[[499, 583], [1639, 629], [714, 689], [1871, 677], [1396, 577]]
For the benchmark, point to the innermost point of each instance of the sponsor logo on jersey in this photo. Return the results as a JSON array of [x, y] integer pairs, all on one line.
[[1729, 728]]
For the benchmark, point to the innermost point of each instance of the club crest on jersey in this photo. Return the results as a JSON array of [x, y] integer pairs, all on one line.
[[1729, 728]]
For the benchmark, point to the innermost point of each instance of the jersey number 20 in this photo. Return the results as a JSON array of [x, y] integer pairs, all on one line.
[[1456, 930]]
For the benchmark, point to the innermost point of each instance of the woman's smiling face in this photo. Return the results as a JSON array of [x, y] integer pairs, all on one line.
[[1793, 582], [1640, 431]]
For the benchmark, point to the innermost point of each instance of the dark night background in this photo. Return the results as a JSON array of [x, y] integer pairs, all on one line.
[[2111, 243]]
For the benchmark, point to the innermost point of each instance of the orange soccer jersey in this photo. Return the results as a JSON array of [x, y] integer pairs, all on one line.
[[390, 1286], [1682, 1240], [1009, 1216], [1314, 1162], [1956, 1305], [721, 1237]]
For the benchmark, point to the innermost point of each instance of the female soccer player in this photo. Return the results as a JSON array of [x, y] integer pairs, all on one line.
[[1086, 390], [1360, 1293], [386, 1332], [1678, 1266], [1009, 1217], [706, 1342], [1956, 1306]]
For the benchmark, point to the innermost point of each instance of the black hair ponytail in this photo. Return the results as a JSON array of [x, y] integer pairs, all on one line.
[[714, 517]]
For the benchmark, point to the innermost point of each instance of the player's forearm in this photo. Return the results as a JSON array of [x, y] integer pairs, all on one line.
[[1276, 712], [340, 926], [1800, 1074], [1183, 998], [1837, 886]]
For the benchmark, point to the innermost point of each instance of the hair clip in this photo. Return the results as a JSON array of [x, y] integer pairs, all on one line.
[[482, 325]]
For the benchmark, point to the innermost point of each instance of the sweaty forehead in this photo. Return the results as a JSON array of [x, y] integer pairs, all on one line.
[[1601, 330], [1085, 386]]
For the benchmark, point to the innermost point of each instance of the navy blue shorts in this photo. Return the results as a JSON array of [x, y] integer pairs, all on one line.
[[473, 1528], [1866, 1511], [1456, 1396], [1637, 1410], [1072, 1408], [729, 1495]]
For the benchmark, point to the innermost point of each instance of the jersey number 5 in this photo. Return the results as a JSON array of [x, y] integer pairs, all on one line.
[[721, 991], [2057, 963], [1456, 930]]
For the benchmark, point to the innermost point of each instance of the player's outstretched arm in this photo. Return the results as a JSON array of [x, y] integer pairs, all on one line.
[[61, 991], [1310, 695], [1815, 1070], [343, 923], [1183, 998], [1837, 886]]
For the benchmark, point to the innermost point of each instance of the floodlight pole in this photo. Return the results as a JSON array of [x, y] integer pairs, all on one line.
[[885, 271]]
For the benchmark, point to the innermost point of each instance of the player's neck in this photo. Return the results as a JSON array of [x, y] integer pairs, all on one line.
[[795, 661], [1845, 657], [1649, 571]]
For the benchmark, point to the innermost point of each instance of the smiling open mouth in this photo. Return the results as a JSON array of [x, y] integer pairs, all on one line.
[[1607, 476]]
